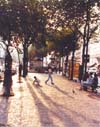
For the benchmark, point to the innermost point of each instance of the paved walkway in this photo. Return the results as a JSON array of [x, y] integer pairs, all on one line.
[[61, 105]]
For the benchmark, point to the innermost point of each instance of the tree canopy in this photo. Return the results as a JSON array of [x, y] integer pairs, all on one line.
[[38, 21]]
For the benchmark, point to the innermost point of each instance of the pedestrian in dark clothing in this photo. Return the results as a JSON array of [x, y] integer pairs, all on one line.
[[95, 82], [50, 76]]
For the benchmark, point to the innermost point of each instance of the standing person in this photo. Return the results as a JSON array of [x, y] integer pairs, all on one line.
[[50, 76]]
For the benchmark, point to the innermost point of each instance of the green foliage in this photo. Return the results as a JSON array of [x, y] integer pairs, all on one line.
[[23, 18], [38, 21], [70, 14]]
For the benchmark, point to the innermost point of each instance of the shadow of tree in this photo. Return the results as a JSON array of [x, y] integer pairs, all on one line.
[[59, 109], [4, 105], [43, 111], [21, 105], [62, 91], [94, 96], [55, 109]]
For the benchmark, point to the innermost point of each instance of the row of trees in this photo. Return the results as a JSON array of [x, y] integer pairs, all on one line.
[[74, 15], [46, 24], [19, 20]]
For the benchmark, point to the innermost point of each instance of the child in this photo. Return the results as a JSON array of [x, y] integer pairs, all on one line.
[[36, 81]]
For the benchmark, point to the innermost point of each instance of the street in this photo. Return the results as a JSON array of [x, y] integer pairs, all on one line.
[[58, 105]]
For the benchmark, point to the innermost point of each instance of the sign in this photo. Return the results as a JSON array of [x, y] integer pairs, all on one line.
[[87, 58], [75, 71]]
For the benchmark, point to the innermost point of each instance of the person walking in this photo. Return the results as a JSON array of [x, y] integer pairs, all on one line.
[[50, 76]]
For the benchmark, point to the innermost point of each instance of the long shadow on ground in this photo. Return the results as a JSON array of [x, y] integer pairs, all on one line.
[[55, 109]]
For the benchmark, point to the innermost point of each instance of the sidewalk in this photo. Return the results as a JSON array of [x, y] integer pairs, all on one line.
[[49, 106]]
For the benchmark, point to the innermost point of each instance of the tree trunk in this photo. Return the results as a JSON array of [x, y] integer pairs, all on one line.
[[25, 59], [66, 63], [8, 75], [86, 39], [72, 69]]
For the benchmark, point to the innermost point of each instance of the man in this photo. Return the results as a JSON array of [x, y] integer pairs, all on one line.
[[50, 76]]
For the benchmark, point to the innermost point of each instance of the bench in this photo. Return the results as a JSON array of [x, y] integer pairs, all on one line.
[[89, 87]]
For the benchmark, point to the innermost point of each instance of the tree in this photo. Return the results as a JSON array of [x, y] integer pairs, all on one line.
[[31, 25], [91, 17], [6, 28], [57, 18], [83, 15], [24, 19], [73, 14]]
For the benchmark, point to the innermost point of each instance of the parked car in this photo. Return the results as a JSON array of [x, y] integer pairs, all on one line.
[[92, 70]]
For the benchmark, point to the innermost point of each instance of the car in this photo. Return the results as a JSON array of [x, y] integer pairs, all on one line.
[[92, 70]]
